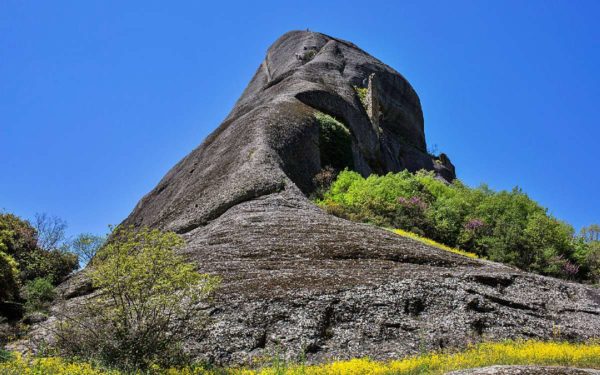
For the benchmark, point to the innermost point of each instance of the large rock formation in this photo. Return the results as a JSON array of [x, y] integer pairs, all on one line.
[[297, 280], [270, 141]]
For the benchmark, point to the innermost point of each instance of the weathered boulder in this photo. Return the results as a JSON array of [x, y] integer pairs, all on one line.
[[297, 280]]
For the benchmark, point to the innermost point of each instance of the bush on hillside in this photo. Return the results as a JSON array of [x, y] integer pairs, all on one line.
[[147, 304], [9, 277], [17, 236], [587, 251], [20, 240], [24, 262], [505, 226], [39, 294], [54, 265], [591, 261]]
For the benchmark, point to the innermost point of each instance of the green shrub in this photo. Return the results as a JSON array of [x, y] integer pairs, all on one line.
[[587, 251], [19, 239], [335, 142], [362, 95], [9, 277], [146, 306], [54, 265], [505, 226], [592, 261], [17, 236], [39, 294]]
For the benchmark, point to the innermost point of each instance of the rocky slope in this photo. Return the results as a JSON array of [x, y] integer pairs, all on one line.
[[297, 280]]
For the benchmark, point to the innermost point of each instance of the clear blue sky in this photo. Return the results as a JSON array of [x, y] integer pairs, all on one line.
[[98, 99]]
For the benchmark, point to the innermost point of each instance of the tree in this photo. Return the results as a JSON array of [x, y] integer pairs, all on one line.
[[146, 306], [591, 233], [20, 240], [51, 259], [589, 251], [86, 246], [592, 261], [22, 260], [50, 231]]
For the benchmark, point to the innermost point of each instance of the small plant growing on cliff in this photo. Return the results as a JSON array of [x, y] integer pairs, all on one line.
[[335, 142], [362, 95], [146, 306]]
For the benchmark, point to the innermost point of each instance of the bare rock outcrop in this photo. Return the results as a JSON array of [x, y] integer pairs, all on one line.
[[297, 280]]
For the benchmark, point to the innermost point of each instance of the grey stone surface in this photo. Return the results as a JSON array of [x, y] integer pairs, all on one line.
[[297, 280], [270, 138]]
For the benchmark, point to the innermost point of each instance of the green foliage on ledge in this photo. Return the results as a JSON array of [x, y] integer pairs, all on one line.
[[362, 95], [335, 142], [504, 226]]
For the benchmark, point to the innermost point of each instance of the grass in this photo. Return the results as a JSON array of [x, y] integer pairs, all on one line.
[[433, 243], [582, 355]]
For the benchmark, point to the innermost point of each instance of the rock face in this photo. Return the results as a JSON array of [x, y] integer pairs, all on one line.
[[270, 140], [297, 280]]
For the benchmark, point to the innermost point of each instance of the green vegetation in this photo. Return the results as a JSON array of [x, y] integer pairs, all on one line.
[[27, 253], [362, 95], [5, 355], [505, 226], [146, 306], [86, 246], [309, 55], [9, 277], [587, 251], [486, 354], [335, 142], [39, 293], [35, 257]]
